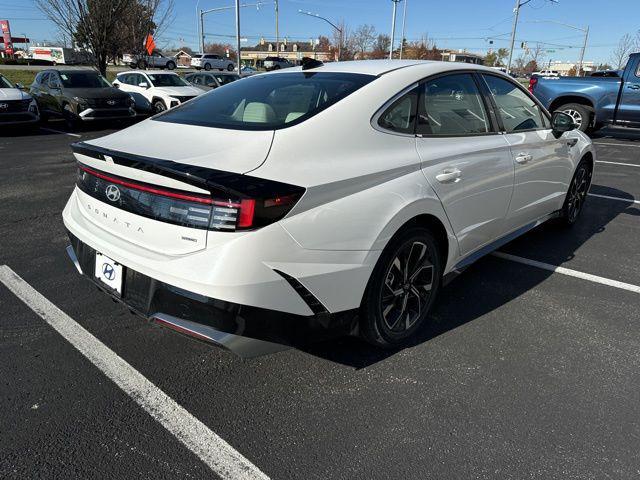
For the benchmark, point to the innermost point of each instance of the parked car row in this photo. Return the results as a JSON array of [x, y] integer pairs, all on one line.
[[82, 96]]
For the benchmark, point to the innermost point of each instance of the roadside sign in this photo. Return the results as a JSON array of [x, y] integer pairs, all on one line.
[[149, 44]]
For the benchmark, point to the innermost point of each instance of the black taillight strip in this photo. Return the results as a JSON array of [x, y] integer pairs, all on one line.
[[232, 185]]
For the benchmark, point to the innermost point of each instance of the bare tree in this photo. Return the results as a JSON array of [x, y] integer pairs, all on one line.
[[343, 41], [536, 55], [105, 26], [624, 48], [364, 38], [381, 46]]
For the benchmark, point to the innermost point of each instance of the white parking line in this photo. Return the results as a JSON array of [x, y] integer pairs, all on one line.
[[620, 199], [568, 271], [221, 457], [616, 144], [618, 163], [60, 131]]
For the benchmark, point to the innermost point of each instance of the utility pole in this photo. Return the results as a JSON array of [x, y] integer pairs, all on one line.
[[201, 31], [584, 47], [238, 34], [277, 32], [404, 19], [393, 27], [516, 13]]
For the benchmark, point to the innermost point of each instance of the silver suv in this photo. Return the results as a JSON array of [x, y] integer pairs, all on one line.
[[276, 63], [156, 60], [212, 60]]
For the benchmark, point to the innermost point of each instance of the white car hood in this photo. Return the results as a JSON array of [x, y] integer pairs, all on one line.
[[236, 151], [13, 94], [179, 91]]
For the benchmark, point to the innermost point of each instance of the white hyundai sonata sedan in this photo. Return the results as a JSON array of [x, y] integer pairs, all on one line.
[[321, 200]]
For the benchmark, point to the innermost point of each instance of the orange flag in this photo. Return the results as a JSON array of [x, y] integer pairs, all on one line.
[[149, 44]]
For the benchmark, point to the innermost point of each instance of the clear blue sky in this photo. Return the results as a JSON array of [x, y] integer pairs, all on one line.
[[453, 24]]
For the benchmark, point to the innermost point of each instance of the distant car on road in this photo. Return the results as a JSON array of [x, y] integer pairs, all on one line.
[[163, 89], [16, 106], [246, 70], [209, 81], [155, 60], [79, 96], [595, 101], [209, 61], [276, 63]]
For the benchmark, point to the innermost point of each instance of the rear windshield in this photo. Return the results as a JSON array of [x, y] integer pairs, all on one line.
[[164, 80], [267, 102], [83, 80]]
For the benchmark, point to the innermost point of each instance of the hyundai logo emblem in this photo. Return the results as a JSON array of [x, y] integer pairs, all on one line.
[[113, 193], [108, 271], [111, 102], [4, 105]]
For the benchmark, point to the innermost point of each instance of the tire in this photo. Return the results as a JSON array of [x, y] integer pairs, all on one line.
[[70, 118], [207, 66], [142, 65], [171, 65], [159, 106], [580, 113], [402, 289], [230, 67], [576, 194]]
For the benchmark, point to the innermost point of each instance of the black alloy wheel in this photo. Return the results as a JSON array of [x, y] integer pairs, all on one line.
[[577, 193], [402, 289]]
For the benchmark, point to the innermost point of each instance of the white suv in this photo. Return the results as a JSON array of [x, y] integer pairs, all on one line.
[[233, 219], [163, 90], [211, 60]]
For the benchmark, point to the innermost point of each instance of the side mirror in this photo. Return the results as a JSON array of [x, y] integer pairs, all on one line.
[[212, 85], [116, 85], [561, 122], [20, 86], [143, 85]]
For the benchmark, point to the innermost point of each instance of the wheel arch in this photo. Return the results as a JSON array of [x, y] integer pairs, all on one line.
[[587, 102]]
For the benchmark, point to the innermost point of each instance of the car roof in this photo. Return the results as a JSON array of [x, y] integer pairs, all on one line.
[[380, 67]]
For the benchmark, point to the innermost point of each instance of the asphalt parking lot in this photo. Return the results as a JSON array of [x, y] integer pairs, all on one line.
[[524, 372]]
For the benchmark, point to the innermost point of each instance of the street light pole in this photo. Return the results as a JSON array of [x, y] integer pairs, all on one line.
[[516, 13], [238, 35], [198, 22], [201, 31], [404, 19], [393, 27], [277, 32], [339, 30]]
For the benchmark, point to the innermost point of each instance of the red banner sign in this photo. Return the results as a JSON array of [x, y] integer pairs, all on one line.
[[149, 44], [6, 37]]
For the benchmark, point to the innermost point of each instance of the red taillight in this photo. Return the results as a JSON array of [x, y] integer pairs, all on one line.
[[532, 83], [247, 209]]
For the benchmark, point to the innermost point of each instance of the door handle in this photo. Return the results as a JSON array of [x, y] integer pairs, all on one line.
[[524, 158], [634, 86], [449, 175]]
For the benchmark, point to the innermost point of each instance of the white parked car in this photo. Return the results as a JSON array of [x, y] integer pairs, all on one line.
[[337, 199], [16, 106], [210, 61], [163, 90], [547, 73]]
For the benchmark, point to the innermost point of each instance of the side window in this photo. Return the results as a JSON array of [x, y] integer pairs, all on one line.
[[209, 80], [44, 79], [139, 78], [516, 108], [452, 105], [401, 115], [54, 81]]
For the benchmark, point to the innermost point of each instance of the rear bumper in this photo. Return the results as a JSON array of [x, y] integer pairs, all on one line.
[[244, 330]]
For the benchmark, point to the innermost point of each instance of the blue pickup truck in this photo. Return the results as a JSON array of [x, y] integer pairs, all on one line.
[[594, 102]]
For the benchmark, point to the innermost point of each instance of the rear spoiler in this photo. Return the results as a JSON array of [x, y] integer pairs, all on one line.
[[216, 181]]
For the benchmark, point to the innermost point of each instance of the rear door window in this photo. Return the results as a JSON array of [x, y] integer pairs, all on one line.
[[400, 116], [452, 105]]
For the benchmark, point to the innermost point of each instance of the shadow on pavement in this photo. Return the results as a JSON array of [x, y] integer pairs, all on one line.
[[484, 288], [617, 133]]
